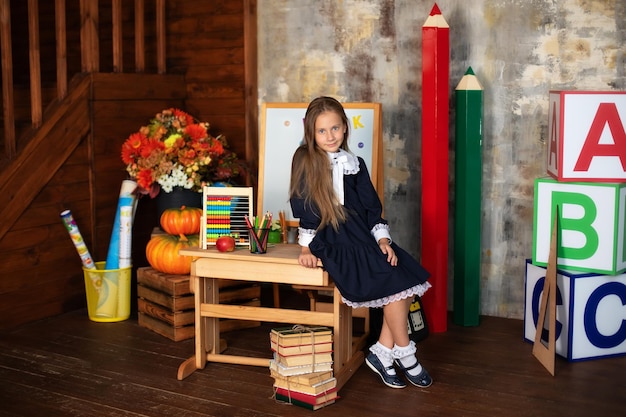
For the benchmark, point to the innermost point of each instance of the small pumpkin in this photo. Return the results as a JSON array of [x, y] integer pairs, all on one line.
[[183, 220], [162, 253]]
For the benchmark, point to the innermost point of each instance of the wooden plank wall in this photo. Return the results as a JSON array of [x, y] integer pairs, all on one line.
[[40, 272], [122, 103], [205, 41]]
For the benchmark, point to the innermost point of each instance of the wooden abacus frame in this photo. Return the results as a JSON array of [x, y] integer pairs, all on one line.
[[223, 213]]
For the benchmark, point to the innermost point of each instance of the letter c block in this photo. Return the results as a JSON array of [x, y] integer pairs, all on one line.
[[590, 313]]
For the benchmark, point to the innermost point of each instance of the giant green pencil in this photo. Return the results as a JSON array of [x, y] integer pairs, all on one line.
[[467, 192]]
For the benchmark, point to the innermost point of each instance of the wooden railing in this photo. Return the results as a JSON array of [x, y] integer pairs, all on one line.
[[89, 51]]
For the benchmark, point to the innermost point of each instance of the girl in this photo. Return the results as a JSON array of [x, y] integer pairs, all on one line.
[[341, 224]]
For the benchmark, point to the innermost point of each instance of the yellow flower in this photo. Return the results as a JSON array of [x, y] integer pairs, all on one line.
[[171, 140]]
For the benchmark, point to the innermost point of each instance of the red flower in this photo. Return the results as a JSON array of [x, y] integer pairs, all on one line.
[[150, 146], [217, 148], [182, 116], [131, 148], [144, 179], [196, 132]]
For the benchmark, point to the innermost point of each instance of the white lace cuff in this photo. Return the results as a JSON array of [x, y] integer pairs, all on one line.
[[381, 231], [305, 236]]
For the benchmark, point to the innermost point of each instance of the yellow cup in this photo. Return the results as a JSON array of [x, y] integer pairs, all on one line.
[[108, 293]]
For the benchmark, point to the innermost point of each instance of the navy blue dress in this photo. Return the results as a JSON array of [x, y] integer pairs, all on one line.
[[351, 255]]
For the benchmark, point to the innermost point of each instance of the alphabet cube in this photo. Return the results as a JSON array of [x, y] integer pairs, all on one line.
[[592, 225], [587, 136], [589, 313]]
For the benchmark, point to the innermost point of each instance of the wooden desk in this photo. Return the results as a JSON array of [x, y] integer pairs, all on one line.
[[278, 265]]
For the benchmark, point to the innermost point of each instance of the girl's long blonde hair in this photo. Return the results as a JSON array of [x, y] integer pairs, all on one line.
[[311, 174]]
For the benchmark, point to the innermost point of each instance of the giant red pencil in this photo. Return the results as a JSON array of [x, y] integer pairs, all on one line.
[[435, 74]]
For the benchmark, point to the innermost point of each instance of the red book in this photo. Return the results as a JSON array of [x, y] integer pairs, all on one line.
[[318, 399], [303, 404]]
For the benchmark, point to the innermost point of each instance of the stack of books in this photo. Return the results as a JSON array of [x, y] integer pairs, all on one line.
[[313, 391], [302, 366]]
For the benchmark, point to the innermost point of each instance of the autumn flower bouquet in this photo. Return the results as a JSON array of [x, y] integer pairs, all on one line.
[[175, 150]]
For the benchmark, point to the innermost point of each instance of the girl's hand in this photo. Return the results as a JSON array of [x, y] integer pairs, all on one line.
[[386, 248], [306, 258]]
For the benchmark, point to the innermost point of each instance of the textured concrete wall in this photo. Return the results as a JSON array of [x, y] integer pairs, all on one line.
[[370, 50]]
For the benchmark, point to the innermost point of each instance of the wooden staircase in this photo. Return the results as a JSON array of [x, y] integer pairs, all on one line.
[[65, 126], [69, 158]]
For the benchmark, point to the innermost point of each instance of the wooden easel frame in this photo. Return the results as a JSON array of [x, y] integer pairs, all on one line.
[[546, 354]]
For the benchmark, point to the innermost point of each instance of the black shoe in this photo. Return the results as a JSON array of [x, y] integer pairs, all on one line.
[[388, 379], [422, 380]]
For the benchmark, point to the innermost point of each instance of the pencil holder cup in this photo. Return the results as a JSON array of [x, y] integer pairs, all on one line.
[[258, 240]]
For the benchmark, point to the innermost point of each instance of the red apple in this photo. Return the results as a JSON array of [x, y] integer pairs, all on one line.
[[225, 244]]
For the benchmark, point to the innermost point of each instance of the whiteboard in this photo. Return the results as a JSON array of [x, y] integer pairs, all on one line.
[[282, 131]]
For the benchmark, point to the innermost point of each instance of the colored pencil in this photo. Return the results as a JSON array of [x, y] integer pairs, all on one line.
[[435, 73], [467, 193]]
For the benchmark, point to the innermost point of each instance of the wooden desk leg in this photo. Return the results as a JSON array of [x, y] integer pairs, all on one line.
[[186, 368], [211, 324], [195, 362], [207, 333], [342, 323], [200, 322], [276, 294], [346, 361]]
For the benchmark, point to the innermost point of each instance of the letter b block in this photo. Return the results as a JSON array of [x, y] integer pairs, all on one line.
[[592, 225]]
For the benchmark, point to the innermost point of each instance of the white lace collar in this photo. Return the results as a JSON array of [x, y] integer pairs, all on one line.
[[342, 162]]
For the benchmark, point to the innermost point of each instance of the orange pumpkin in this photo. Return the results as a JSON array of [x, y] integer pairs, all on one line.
[[162, 253], [184, 220]]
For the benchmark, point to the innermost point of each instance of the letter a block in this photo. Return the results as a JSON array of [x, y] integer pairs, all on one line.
[[590, 319], [587, 136], [592, 225]]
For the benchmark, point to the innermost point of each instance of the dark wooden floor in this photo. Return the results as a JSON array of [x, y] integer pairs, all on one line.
[[69, 366]]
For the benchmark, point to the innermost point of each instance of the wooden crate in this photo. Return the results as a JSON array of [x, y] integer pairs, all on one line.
[[166, 303]]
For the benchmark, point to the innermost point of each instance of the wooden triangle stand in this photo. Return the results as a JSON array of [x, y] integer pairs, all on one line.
[[546, 355]]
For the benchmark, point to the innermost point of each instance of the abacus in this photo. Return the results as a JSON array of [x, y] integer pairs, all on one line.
[[223, 214]]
